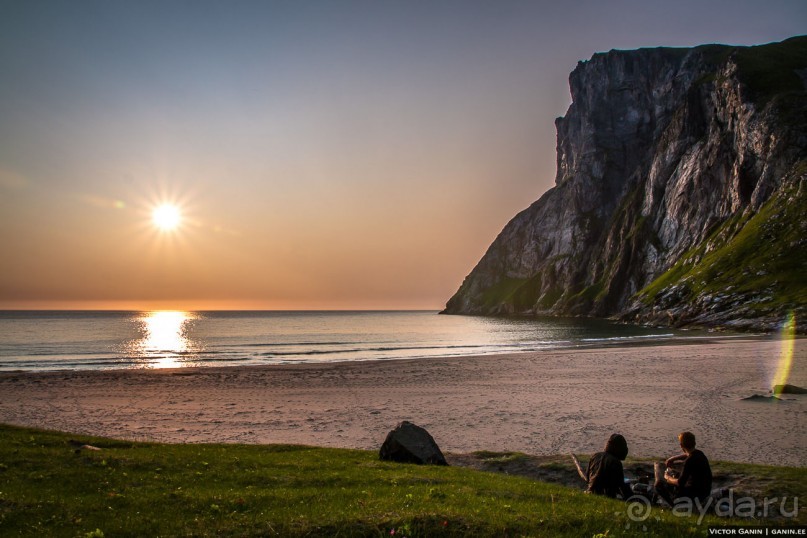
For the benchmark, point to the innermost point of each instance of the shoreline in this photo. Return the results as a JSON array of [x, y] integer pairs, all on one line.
[[545, 402], [614, 342]]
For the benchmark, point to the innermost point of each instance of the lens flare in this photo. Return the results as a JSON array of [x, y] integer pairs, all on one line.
[[788, 333]]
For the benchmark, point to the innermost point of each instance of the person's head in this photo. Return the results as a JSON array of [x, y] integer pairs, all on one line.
[[617, 446], [687, 440]]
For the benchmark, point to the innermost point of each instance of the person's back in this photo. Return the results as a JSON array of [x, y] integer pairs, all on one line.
[[695, 480], [696, 477], [605, 473]]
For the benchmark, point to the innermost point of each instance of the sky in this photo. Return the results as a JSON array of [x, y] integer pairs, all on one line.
[[323, 154]]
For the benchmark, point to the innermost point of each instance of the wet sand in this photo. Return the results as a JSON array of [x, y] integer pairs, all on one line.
[[538, 403]]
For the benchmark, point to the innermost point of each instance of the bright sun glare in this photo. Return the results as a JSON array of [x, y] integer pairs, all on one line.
[[166, 217]]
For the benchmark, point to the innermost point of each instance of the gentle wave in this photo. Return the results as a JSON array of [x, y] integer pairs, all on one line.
[[623, 338], [149, 340], [372, 349]]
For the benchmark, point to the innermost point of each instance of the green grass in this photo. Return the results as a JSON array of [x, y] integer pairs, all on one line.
[[767, 481], [148, 489], [499, 457]]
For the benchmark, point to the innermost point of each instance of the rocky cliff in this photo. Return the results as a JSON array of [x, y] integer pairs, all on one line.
[[680, 196]]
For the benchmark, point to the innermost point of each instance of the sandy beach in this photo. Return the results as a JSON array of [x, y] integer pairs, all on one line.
[[538, 403]]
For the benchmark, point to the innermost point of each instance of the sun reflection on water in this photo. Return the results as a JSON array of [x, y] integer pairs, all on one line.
[[165, 342]]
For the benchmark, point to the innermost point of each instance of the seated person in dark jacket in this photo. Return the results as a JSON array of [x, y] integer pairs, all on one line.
[[695, 480], [605, 474]]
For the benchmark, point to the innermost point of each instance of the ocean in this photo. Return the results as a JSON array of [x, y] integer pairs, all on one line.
[[36, 341]]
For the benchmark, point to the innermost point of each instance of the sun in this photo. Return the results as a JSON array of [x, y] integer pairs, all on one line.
[[166, 217]]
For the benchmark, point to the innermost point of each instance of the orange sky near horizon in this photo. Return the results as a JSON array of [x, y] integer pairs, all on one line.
[[331, 251], [324, 155]]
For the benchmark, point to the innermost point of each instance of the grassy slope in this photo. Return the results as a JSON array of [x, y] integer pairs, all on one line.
[[144, 489], [761, 255], [770, 70]]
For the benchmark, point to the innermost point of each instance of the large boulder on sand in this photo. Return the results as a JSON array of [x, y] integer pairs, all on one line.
[[409, 443]]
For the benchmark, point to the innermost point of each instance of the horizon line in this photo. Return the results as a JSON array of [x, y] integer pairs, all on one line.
[[219, 309]]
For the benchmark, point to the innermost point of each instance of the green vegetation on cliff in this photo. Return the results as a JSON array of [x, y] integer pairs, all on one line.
[[761, 256], [770, 70], [648, 168], [501, 292]]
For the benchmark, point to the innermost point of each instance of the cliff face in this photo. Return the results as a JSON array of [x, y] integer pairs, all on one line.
[[680, 195]]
